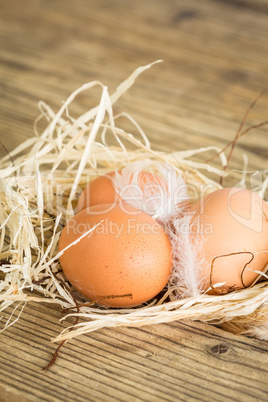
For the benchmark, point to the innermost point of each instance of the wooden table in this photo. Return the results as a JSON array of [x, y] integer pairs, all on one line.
[[215, 64]]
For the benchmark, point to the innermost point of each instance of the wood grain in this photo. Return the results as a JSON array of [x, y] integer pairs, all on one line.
[[215, 64], [180, 361]]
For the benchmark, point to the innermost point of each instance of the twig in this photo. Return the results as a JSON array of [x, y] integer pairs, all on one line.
[[56, 353], [8, 154], [240, 133], [222, 291]]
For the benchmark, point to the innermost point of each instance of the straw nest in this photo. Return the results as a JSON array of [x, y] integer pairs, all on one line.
[[39, 183]]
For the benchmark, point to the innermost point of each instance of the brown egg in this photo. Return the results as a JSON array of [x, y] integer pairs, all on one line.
[[98, 191], [230, 228], [125, 261], [102, 191]]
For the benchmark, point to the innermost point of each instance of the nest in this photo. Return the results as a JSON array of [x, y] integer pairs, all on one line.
[[40, 182]]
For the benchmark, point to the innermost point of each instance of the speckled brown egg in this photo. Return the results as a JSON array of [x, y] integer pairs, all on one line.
[[125, 261]]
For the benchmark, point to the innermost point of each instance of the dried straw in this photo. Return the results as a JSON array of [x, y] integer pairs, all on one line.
[[40, 181]]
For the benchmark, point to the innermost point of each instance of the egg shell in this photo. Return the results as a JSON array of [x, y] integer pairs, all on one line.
[[230, 221], [98, 191], [126, 254]]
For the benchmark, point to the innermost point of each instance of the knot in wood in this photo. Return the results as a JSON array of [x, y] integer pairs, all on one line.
[[219, 349]]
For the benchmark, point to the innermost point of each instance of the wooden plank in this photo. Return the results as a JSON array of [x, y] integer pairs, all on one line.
[[162, 362]]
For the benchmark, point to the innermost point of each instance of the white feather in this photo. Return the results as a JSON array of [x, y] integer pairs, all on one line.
[[187, 277], [160, 196]]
